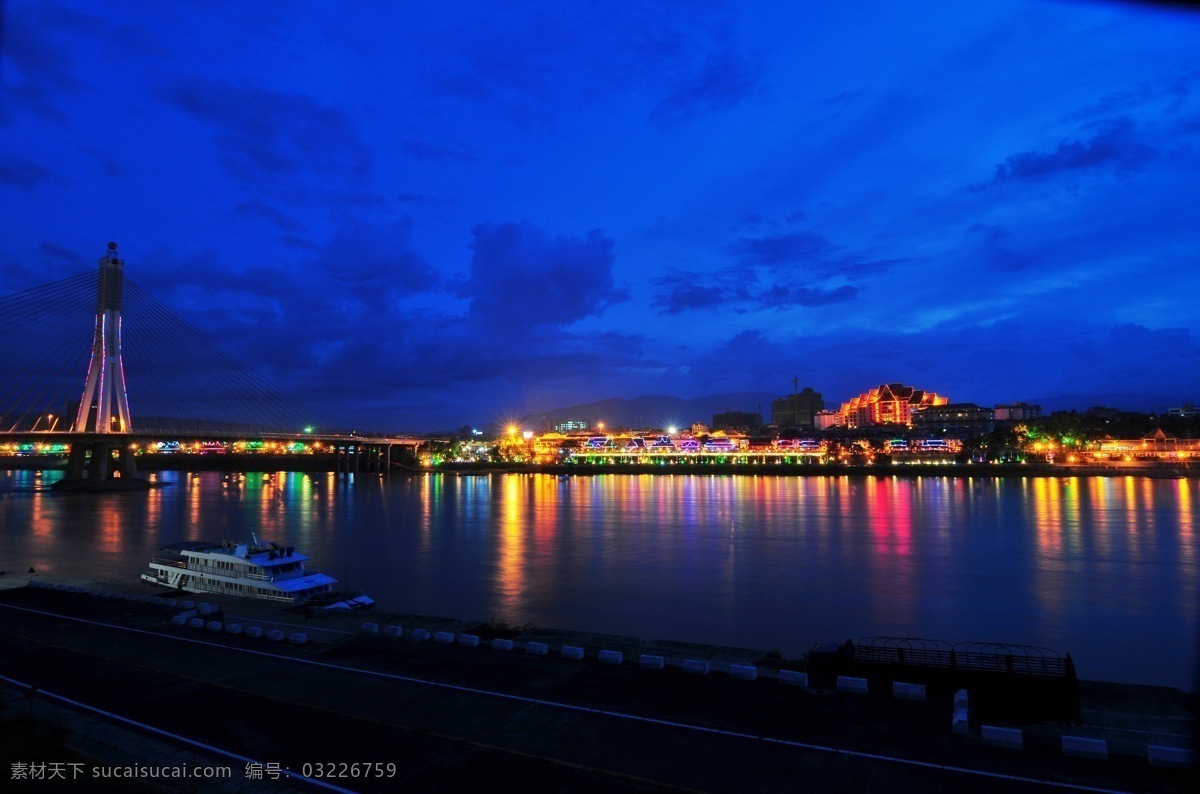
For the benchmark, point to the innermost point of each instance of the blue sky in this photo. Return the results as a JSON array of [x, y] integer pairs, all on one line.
[[423, 217]]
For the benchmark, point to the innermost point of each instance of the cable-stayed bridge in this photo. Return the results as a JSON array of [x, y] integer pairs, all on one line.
[[146, 375]]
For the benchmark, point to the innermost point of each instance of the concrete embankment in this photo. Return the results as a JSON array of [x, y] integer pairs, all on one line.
[[445, 708]]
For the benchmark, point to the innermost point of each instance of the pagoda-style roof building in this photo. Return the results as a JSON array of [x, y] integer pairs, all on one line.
[[888, 404]]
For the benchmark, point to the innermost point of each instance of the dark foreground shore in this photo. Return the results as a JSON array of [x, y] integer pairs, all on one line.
[[421, 712]]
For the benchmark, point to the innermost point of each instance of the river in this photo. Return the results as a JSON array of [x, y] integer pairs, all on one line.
[[1103, 568]]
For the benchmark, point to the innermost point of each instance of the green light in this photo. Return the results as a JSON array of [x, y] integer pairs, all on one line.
[[308, 429]]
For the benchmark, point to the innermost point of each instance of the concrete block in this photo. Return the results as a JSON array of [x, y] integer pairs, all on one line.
[[858, 686], [370, 628], [468, 640], [1002, 737], [959, 723], [1081, 747], [908, 691], [393, 631], [960, 699], [254, 631], [180, 619], [188, 613], [196, 623], [297, 638], [502, 645], [189, 604], [276, 635], [695, 666], [743, 672], [206, 609], [420, 635], [793, 678], [537, 648], [611, 657], [651, 662], [233, 628], [571, 652], [214, 625], [444, 637], [1173, 757]]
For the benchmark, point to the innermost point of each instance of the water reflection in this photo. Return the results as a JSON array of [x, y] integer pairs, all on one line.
[[1100, 567]]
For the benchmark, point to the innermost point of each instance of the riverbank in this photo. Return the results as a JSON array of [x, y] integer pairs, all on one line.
[[979, 470], [327, 463], [446, 712]]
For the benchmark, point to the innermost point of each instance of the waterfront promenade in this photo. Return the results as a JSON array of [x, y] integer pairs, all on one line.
[[451, 717]]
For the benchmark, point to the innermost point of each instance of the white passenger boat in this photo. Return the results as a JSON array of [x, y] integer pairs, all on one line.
[[250, 570]]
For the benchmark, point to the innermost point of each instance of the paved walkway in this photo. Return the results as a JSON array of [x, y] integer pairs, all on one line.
[[446, 716]]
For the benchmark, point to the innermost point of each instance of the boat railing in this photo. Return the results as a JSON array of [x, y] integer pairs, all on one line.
[[229, 573], [222, 591], [170, 562]]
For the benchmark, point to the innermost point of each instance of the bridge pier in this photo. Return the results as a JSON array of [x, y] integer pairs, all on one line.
[[362, 457], [101, 465]]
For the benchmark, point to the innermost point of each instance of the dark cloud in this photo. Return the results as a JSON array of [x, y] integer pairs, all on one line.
[[1125, 358], [59, 252], [783, 249], [523, 277], [310, 321], [815, 255], [24, 174], [547, 59], [376, 264], [683, 293], [1117, 102], [295, 241], [45, 66], [781, 296], [723, 81], [423, 150], [738, 289], [1115, 145], [264, 131], [995, 245], [260, 210]]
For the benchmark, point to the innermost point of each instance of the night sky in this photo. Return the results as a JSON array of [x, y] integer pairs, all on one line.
[[417, 216]]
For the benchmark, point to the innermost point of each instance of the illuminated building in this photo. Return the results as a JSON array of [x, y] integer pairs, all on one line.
[[887, 404], [797, 409], [1017, 412], [964, 419], [571, 425], [1156, 447], [823, 420]]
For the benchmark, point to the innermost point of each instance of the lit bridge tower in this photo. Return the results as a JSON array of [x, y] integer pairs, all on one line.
[[103, 415], [105, 404]]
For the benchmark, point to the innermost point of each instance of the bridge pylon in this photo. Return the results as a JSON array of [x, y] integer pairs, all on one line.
[[105, 404], [104, 409]]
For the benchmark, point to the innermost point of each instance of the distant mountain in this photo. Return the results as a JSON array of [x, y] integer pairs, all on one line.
[[656, 410], [1122, 401]]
